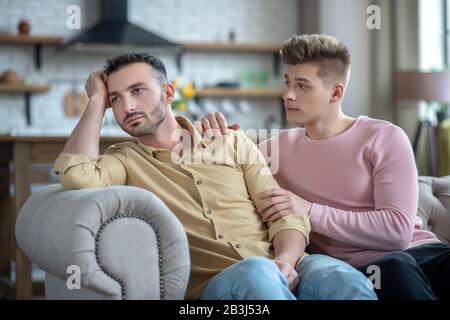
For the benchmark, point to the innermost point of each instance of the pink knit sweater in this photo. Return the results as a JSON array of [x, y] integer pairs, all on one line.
[[363, 186]]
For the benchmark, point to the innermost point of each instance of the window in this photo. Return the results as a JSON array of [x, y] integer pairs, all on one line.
[[432, 34], [447, 37]]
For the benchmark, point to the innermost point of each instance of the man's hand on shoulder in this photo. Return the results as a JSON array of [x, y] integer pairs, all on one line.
[[214, 125]]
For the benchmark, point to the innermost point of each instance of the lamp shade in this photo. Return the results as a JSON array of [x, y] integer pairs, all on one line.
[[416, 85]]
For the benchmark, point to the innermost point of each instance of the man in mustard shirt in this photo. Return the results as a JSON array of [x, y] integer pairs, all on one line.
[[212, 186]]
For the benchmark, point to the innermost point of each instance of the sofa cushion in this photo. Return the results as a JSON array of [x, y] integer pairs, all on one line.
[[434, 205]]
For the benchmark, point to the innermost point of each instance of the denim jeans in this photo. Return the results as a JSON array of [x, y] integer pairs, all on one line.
[[258, 278]]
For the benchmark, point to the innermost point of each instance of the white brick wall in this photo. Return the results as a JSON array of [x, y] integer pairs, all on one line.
[[179, 20], [202, 20]]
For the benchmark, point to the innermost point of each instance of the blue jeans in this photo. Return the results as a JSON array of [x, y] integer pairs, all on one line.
[[258, 278]]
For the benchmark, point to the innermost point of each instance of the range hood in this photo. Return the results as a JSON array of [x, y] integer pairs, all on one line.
[[115, 32]]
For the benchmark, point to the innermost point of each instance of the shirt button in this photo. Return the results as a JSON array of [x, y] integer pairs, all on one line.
[[220, 236], [238, 245], [199, 182], [208, 211]]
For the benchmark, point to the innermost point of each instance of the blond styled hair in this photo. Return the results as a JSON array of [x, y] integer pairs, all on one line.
[[327, 52]]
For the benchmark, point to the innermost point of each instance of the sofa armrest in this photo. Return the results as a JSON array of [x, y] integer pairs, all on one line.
[[434, 205], [126, 242]]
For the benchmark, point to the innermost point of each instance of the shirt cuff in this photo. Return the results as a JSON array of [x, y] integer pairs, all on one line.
[[291, 222], [67, 160]]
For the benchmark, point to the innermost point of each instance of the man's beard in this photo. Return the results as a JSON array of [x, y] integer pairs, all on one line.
[[149, 123]]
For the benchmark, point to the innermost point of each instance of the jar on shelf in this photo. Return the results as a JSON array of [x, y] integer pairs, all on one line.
[[24, 27]]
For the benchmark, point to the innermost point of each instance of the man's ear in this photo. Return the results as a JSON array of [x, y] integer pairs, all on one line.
[[169, 92], [337, 93]]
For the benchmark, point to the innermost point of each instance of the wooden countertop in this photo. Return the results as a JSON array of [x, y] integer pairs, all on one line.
[[58, 139]]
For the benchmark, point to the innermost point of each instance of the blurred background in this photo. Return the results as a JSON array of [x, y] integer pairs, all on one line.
[[226, 49], [223, 56]]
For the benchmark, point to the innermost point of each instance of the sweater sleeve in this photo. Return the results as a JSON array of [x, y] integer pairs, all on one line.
[[389, 225]]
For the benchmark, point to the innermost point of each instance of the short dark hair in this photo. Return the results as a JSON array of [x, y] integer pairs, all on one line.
[[329, 53], [116, 63]]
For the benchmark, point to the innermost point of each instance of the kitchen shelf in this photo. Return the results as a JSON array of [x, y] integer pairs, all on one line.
[[27, 90], [239, 93], [22, 88], [238, 47], [13, 38], [244, 93], [264, 48], [36, 41]]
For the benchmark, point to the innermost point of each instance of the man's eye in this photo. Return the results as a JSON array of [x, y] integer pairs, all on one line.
[[138, 90], [114, 99], [286, 83]]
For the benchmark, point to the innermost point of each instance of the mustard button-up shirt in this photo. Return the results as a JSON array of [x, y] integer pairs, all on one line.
[[212, 190]]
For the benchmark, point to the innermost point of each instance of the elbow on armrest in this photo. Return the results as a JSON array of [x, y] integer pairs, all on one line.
[[77, 180]]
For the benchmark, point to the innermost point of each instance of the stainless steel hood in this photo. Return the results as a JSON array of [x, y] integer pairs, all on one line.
[[115, 32]]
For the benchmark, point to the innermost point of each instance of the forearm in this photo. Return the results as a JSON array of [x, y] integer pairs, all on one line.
[[289, 245], [384, 229], [86, 135]]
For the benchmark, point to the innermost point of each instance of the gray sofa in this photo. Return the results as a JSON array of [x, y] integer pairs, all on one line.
[[128, 245]]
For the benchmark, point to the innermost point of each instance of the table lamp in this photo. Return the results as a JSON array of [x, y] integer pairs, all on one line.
[[428, 87]]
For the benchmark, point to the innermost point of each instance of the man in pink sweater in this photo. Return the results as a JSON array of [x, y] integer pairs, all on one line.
[[356, 178]]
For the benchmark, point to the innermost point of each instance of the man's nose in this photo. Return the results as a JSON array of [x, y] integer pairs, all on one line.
[[129, 104], [288, 94]]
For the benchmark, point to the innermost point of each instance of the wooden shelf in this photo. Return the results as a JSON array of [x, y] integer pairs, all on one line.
[[36, 41], [22, 88], [27, 90], [239, 93], [238, 47], [267, 48], [20, 39]]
